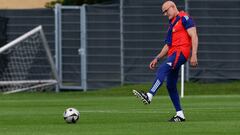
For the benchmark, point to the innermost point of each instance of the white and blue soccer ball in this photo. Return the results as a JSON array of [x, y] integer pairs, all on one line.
[[71, 115]]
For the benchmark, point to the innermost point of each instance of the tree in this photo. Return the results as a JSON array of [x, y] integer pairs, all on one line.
[[74, 2]]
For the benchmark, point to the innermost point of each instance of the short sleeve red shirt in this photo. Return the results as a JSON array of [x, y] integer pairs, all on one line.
[[181, 41]]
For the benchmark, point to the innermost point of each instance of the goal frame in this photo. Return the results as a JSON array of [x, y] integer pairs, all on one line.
[[50, 60]]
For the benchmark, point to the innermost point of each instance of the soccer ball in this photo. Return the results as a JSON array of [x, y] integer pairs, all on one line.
[[71, 115]]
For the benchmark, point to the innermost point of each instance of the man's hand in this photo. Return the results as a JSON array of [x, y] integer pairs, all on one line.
[[153, 64], [193, 61], [163, 53]]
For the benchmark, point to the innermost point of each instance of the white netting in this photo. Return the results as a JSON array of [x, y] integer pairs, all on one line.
[[26, 66]]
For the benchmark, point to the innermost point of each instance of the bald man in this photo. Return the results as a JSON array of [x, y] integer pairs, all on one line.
[[181, 42]]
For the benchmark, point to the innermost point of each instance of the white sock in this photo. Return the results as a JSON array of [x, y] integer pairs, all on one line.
[[150, 96], [180, 114]]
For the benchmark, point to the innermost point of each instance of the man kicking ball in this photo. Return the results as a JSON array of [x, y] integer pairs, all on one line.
[[180, 42]]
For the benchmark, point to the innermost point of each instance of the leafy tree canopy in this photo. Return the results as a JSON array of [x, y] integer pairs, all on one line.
[[73, 2]]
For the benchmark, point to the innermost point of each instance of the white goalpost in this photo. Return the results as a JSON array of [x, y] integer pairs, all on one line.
[[27, 64], [182, 81]]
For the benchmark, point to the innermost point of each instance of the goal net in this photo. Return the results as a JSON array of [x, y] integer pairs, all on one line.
[[27, 64]]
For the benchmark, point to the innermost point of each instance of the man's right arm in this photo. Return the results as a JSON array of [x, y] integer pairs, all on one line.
[[162, 54]]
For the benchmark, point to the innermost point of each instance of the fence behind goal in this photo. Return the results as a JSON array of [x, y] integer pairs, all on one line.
[[121, 40]]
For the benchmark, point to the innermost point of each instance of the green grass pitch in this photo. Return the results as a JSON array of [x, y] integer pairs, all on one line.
[[113, 113]]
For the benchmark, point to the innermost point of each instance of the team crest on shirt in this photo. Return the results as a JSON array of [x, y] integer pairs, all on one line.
[[186, 17], [174, 30]]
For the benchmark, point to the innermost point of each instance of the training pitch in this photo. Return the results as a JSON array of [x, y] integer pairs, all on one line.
[[42, 114]]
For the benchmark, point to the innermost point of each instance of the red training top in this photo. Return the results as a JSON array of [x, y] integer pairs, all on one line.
[[181, 41]]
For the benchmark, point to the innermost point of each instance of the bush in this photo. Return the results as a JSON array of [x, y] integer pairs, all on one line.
[[73, 2]]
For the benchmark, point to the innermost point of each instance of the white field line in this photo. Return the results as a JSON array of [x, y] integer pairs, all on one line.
[[157, 111], [121, 112], [212, 96]]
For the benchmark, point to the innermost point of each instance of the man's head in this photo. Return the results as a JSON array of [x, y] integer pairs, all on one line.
[[169, 9]]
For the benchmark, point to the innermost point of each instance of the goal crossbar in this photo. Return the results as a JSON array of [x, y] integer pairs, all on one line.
[[19, 39]]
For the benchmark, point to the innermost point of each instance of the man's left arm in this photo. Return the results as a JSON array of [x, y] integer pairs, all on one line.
[[192, 32]]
